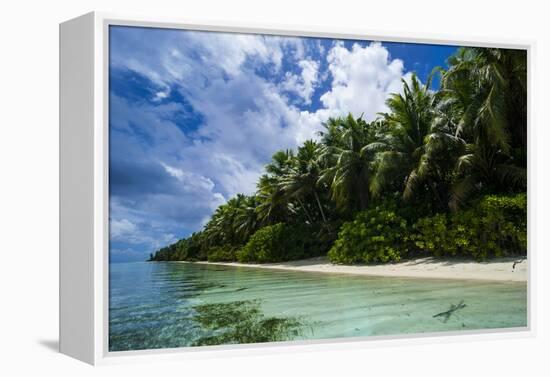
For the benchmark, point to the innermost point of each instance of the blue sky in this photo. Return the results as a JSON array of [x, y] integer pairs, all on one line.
[[194, 116]]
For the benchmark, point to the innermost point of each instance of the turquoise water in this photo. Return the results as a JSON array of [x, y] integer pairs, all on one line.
[[164, 305]]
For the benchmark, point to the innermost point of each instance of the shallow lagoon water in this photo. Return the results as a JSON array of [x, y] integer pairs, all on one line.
[[165, 305]]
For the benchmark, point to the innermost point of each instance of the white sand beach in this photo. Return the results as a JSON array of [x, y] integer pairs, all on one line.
[[501, 269]]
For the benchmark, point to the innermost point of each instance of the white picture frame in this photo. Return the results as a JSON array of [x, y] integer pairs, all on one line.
[[84, 247]]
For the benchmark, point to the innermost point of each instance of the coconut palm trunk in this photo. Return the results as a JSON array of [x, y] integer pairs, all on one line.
[[305, 210], [320, 206]]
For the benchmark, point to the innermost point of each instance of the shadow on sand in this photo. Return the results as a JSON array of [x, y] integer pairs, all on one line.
[[409, 262]]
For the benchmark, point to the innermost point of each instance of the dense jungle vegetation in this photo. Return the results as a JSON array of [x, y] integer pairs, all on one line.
[[442, 173]]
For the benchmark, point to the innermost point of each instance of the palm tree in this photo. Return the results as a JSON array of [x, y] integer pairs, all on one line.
[[233, 222], [402, 162], [246, 220], [281, 162], [489, 88], [435, 171], [302, 178], [273, 205], [348, 148], [484, 92], [483, 169]]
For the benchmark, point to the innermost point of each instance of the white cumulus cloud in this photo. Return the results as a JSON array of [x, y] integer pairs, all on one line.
[[304, 84], [362, 79]]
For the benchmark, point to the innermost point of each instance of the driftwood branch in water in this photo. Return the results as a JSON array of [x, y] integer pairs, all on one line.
[[447, 314]]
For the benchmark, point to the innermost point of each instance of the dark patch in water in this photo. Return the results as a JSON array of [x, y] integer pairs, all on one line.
[[243, 322], [453, 308]]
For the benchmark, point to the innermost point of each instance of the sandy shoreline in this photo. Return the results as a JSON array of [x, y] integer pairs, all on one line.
[[500, 269]]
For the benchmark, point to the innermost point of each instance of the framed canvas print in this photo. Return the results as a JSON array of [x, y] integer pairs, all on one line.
[[236, 189]]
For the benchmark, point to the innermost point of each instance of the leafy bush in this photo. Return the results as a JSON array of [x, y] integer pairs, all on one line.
[[375, 235], [496, 226], [279, 242], [221, 254]]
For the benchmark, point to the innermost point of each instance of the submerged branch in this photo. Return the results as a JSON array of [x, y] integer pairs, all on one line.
[[447, 314]]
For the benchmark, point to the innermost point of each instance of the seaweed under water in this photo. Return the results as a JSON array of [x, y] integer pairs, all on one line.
[[243, 322]]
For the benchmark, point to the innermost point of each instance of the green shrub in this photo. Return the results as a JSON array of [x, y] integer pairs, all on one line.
[[279, 242], [496, 226], [222, 254], [375, 235]]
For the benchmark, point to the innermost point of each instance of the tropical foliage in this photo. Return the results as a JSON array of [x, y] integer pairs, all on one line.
[[494, 227], [280, 242], [451, 163], [375, 235]]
